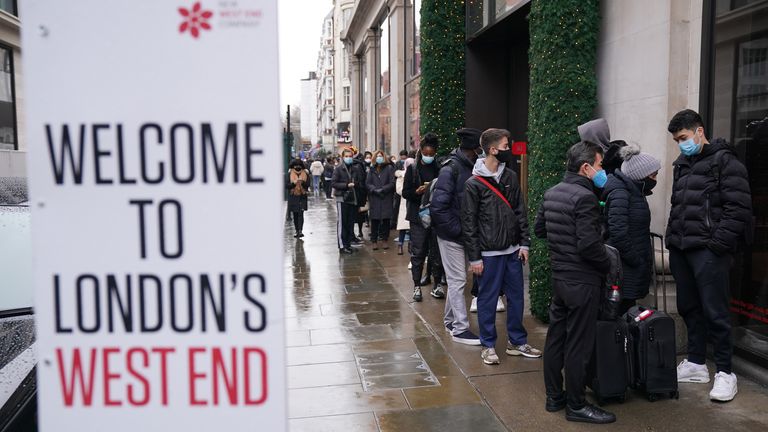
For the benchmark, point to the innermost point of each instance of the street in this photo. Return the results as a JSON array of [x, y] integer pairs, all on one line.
[[363, 357]]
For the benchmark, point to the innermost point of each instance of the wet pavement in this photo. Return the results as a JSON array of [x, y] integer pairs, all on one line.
[[363, 357]]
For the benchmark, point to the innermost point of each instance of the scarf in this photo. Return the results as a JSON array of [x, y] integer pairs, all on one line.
[[299, 189]]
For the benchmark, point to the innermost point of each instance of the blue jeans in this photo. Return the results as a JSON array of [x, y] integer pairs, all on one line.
[[316, 185], [503, 272]]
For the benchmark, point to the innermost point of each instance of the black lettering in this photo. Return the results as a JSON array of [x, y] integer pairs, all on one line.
[[125, 305], [142, 226], [208, 144], [207, 298], [175, 304], [143, 302], [143, 154], [96, 304], [179, 229], [190, 159], [57, 307], [98, 153], [75, 157], [121, 158], [250, 152], [254, 301]]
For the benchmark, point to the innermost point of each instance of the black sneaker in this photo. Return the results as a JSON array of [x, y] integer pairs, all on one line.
[[417, 293], [449, 328], [301, 234], [466, 338], [438, 292], [346, 251], [555, 404], [355, 240], [589, 414]]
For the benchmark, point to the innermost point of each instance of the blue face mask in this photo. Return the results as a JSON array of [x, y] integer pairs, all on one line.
[[428, 159], [379, 160], [348, 160], [689, 147], [600, 178]]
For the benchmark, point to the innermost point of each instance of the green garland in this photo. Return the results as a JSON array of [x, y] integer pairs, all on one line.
[[562, 57], [442, 70]]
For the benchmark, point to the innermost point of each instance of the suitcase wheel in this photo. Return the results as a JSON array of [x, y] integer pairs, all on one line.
[[675, 395], [653, 397]]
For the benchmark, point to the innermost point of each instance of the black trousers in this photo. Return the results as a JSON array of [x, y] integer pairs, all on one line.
[[328, 187], [570, 338], [379, 230], [423, 243], [345, 224], [702, 279], [298, 221]]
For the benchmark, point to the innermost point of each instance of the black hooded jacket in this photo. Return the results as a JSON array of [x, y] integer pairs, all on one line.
[[707, 212], [447, 196], [569, 218], [629, 221]]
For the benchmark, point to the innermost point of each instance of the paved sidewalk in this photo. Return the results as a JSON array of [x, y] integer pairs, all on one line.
[[363, 357]]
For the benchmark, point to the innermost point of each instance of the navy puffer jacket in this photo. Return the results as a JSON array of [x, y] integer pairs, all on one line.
[[629, 218]]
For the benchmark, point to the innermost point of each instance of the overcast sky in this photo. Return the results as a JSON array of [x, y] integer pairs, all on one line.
[[300, 26]]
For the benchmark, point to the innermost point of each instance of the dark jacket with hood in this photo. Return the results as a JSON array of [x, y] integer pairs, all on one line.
[[359, 174], [487, 222], [416, 175], [569, 218], [381, 191], [342, 177], [598, 132], [629, 219], [707, 212], [448, 195]]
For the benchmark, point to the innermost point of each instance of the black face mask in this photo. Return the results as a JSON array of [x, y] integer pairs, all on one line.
[[648, 185], [504, 156], [297, 168]]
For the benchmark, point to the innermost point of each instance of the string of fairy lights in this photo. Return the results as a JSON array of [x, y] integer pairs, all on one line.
[[563, 95], [442, 70]]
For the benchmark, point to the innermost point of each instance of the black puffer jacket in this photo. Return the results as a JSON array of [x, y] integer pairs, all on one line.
[[569, 218], [629, 221], [416, 175], [341, 179], [703, 214], [487, 222], [448, 196]]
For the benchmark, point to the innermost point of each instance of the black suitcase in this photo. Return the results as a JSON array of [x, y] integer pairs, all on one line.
[[652, 353], [609, 368]]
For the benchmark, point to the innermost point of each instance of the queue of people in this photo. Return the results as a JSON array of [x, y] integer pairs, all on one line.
[[465, 218]]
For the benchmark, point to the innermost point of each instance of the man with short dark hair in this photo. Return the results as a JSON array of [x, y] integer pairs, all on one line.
[[400, 164], [569, 218], [494, 226], [711, 215], [445, 209]]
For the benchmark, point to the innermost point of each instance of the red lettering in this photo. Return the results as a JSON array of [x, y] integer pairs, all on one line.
[[220, 369], [68, 382], [109, 376], [132, 371], [247, 378], [164, 371], [194, 376]]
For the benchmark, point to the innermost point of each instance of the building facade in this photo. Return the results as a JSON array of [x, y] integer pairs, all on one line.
[[708, 55], [12, 143], [382, 40], [326, 94], [309, 126], [342, 15]]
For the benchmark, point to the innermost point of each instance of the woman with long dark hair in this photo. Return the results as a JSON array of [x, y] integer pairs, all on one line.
[[297, 183], [381, 191]]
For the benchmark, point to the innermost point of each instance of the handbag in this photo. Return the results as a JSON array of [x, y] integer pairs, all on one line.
[[349, 197]]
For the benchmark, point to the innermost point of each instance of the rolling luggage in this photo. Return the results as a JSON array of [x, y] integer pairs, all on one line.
[[652, 356], [609, 375]]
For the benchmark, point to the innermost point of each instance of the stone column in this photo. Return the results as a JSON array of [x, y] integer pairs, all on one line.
[[356, 103], [398, 73], [371, 65]]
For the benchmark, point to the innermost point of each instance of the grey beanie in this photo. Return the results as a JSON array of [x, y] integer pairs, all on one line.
[[637, 165]]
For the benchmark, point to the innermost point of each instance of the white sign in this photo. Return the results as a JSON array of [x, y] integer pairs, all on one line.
[[156, 185]]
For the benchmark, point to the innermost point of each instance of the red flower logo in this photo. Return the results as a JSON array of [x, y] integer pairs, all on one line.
[[195, 19]]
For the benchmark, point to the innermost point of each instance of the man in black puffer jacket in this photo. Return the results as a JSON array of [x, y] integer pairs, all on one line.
[[496, 239], [711, 215], [445, 210], [569, 218]]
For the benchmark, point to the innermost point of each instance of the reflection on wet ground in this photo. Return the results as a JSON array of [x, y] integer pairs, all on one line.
[[363, 357]]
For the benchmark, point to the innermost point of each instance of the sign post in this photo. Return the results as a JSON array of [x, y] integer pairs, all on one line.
[[156, 181]]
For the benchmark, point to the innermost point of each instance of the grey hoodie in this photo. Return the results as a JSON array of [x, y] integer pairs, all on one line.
[[483, 171], [597, 132]]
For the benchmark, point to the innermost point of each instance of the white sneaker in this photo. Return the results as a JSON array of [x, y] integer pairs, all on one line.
[[489, 356], [688, 372], [409, 266], [500, 306], [473, 305], [724, 389]]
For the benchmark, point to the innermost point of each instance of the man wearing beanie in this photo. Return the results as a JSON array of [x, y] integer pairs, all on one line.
[[629, 220], [446, 219]]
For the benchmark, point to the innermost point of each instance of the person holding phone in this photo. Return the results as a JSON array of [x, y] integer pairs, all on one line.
[[423, 241]]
